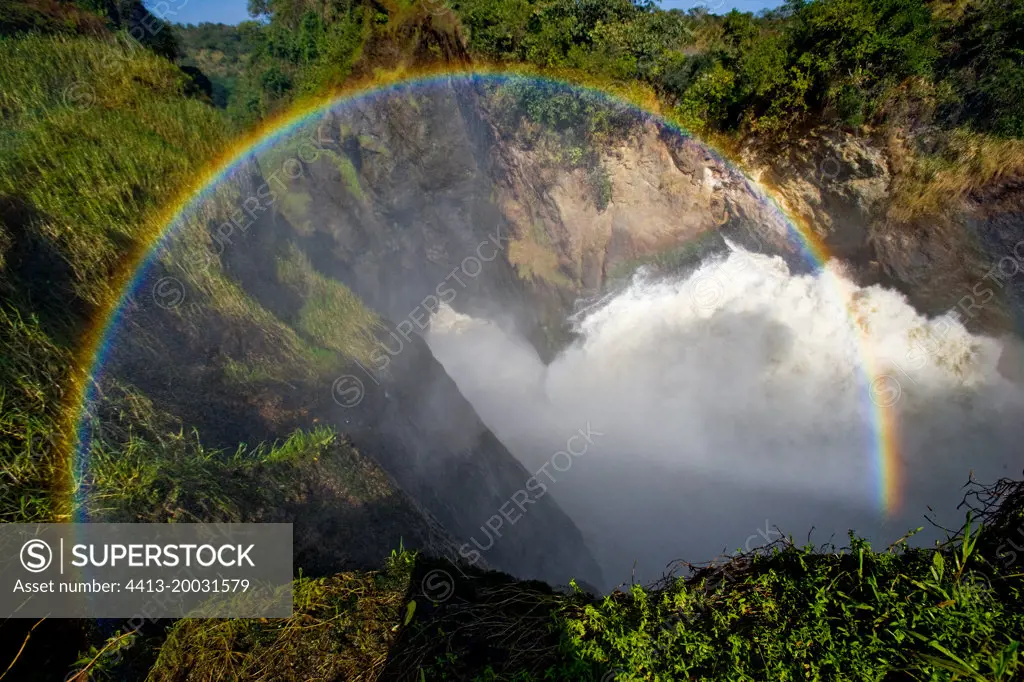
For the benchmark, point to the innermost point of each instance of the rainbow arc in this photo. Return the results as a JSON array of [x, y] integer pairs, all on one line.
[[100, 336]]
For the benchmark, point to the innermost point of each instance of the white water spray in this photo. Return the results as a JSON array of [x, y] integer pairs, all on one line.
[[740, 399]]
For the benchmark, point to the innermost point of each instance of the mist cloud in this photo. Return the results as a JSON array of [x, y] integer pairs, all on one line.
[[735, 400]]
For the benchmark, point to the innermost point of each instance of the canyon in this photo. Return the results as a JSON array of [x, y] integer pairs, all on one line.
[[532, 286]]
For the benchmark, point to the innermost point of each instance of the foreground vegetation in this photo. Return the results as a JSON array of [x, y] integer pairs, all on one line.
[[100, 133], [96, 139], [781, 613]]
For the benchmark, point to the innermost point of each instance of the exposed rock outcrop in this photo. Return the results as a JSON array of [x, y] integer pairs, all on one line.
[[846, 189]]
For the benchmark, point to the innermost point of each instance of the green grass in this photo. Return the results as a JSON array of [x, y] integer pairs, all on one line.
[[799, 613], [32, 367], [145, 467], [349, 174], [96, 137], [780, 613], [331, 316], [172, 477]]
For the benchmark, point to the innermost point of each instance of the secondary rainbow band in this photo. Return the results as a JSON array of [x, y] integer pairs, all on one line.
[[97, 342]]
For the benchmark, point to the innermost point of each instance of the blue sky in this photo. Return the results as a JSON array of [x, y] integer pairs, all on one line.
[[234, 11], [198, 11], [722, 6]]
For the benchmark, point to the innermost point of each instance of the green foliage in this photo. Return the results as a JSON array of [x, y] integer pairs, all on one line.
[[797, 613], [333, 52], [497, 30], [986, 66], [568, 111], [150, 472], [707, 98], [98, 135], [863, 44], [617, 38], [838, 59], [829, 55], [830, 59], [299, 52], [779, 613], [221, 52], [331, 315]]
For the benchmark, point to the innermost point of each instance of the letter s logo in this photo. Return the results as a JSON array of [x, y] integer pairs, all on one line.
[[36, 556]]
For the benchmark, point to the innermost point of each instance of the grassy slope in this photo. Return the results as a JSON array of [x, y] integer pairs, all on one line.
[[345, 509], [97, 138]]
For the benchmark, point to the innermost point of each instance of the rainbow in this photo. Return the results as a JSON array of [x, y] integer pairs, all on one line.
[[94, 350]]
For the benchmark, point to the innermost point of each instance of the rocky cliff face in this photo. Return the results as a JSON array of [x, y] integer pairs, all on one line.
[[836, 184], [664, 191], [445, 204], [418, 198], [397, 208], [861, 195], [961, 254], [667, 193], [421, 196]]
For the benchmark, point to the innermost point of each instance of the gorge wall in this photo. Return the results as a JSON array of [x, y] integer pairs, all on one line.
[[423, 198]]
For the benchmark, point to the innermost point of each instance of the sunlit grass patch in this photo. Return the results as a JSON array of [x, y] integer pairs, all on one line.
[[779, 613], [802, 613], [331, 315], [97, 137], [961, 162]]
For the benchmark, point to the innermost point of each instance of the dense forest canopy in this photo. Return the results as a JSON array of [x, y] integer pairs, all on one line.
[[848, 61]]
